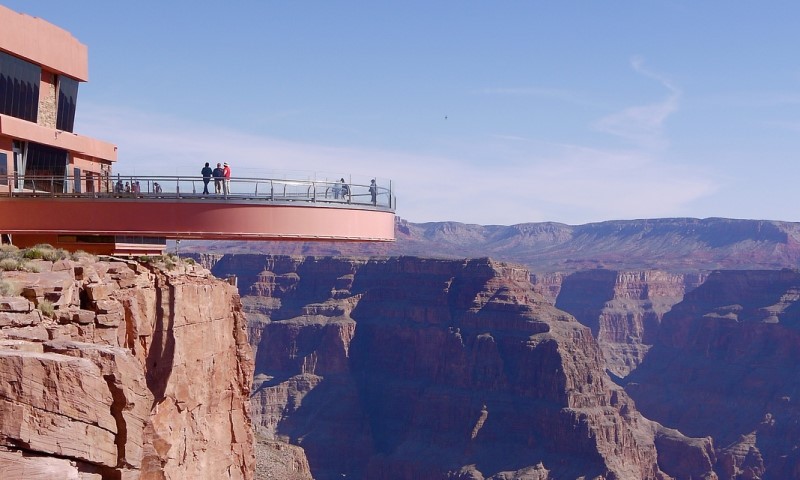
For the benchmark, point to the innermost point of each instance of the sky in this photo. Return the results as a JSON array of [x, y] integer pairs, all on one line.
[[484, 112]]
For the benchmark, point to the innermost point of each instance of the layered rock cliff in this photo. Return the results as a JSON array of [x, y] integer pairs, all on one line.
[[623, 309], [725, 366], [427, 369], [121, 370]]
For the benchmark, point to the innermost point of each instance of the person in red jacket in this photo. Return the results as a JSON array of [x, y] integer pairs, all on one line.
[[226, 173]]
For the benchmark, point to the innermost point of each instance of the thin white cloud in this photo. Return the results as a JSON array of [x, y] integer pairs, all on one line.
[[643, 124]]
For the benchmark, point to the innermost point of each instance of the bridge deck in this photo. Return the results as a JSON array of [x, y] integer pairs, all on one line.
[[253, 209]]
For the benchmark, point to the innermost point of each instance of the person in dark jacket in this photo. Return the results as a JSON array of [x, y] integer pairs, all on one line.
[[218, 174], [206, 172]]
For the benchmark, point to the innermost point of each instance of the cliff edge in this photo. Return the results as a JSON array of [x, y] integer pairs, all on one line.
[[122, 370]]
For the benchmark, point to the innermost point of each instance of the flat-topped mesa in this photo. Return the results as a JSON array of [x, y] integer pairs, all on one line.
[[421, 368], [112, 369], [681, 245]]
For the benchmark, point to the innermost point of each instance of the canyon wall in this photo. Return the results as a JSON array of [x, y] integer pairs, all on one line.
[[724, 365], [426, 369], [121, 370], [622, 308]]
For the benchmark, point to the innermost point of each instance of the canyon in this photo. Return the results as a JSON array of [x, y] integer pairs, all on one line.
[[706, 357], [408, 367], [413, 367]]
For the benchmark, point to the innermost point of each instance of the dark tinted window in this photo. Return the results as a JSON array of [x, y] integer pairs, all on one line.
[[43, 160], [3, 169], [19, 87], [67, 99], [141, 240]]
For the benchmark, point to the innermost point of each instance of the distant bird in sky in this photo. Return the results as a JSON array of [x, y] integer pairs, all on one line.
[[445, 117]]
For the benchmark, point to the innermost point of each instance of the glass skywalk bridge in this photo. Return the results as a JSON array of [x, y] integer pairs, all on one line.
[[137, 214]]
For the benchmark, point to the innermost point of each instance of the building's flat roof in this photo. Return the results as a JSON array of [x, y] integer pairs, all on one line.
[[43, 43]]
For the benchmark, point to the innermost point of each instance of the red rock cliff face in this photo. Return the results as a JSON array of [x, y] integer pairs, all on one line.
[[623, 309], [428, 369], [140, 373], [725, 366]]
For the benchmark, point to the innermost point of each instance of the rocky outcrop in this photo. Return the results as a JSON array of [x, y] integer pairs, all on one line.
[[429, 369], [685, 458], [119, 370], [725, 366], [623, 309], [548, 285], [281, 461]]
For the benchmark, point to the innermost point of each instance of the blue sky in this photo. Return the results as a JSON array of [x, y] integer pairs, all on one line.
[[497, 112]]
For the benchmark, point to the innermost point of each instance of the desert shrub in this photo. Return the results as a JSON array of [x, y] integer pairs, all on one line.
[[169, 264], [9, 264], [80, 254], [46, 307], [29, 267], [190, 261], [8, 288], [8, 253], [6, 248], [54, 254], [33, 253], [44, 251]]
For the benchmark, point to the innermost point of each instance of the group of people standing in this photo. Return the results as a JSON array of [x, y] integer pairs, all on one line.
[[221, 176], [129, 187], [342, 189], [222, 184]]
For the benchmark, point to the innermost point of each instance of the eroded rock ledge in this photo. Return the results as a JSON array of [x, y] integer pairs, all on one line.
[[132, 372]]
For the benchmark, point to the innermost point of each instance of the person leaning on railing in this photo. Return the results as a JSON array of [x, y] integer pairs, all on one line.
[[218, 175], [345, 188]]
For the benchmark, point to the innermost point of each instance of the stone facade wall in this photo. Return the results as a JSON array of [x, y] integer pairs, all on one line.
[[48, 100]]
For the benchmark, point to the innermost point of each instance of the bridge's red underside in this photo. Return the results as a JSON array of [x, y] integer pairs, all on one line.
[[44, 220]]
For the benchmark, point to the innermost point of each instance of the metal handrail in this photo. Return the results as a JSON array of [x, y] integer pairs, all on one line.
[[175, 187]]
